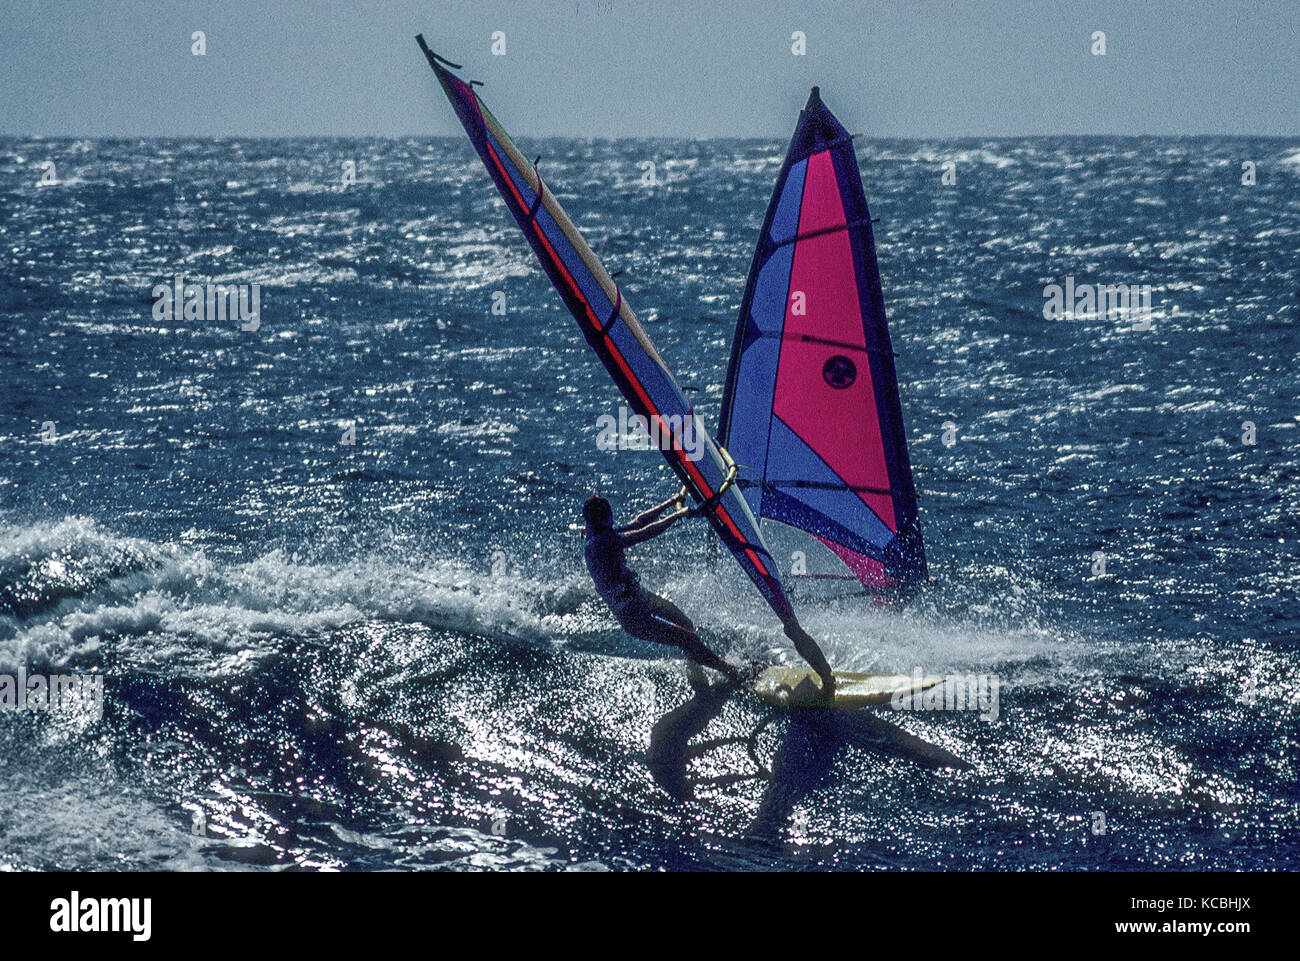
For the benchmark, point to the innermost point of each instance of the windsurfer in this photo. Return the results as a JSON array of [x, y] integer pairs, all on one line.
[[648, 616]]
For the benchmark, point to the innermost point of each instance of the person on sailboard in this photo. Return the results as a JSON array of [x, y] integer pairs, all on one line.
[[648, 616]]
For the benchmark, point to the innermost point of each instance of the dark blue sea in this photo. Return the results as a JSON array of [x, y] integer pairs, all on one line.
[[327, 570]]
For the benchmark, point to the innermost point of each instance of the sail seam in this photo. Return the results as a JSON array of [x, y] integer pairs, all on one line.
[[811, 339], [827, 485], [819, 232]]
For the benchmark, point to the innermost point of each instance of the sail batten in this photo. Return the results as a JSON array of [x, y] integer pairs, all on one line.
[[811, 408]]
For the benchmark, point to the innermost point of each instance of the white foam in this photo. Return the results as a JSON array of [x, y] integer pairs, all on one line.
[[168, 605], [172, 607]]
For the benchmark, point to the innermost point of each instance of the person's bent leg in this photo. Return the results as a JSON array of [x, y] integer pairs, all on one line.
[[666, 609], [682, 630], [658, 626]]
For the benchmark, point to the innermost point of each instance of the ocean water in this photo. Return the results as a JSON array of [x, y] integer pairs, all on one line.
[[386, 654]]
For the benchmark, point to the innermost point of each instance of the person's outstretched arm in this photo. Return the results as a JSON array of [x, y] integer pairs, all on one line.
[[642, 519], [636, 535], [811, 653]]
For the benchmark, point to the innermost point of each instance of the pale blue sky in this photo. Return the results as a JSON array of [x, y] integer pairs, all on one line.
[[622, 68]]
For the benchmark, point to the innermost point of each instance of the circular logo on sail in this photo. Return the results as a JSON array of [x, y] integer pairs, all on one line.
[[839, 372]]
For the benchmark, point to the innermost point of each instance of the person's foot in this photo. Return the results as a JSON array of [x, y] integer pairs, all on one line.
[[753, 669], [696, 676], [828, 687], [745, 675], [737, 676]]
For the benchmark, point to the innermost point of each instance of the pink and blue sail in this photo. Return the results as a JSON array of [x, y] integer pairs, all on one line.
[[811, 409]]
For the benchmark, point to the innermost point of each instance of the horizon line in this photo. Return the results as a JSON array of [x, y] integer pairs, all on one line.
[[613, 139]]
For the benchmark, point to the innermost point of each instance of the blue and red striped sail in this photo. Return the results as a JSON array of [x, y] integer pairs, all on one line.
[[811, 411], [612, 329]]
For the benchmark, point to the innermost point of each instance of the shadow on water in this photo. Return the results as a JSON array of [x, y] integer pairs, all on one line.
[[812, 741]]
